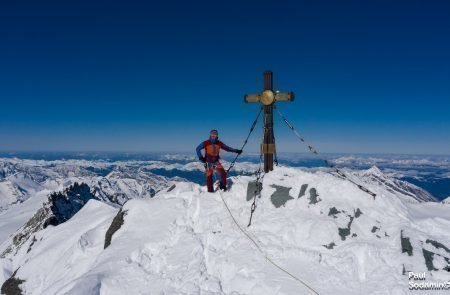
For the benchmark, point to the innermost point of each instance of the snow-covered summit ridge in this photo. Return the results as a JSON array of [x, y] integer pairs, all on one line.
[[183, 241], [59, 207], [376, 176]]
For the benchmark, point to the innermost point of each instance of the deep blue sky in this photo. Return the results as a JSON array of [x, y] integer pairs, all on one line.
[[143, 76]]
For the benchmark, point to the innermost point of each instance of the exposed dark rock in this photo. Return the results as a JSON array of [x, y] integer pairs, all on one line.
[[313, 196], [378, 236], [115, 226], [344, 232], [280, 196], [251, 189], [302, 190], [385, 234], [447, 268], [171, 188], [60, 207], [11, 286], [375, 228], [330, 245], [152, 192], [34, 224], [32, 243], [406, 244], [437, 245], [333, 212], [230, 184], [428, 259], [428, 255], [66, 204], [52, 220]]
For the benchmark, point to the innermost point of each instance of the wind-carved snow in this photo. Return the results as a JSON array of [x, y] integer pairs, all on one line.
[[183, 241]]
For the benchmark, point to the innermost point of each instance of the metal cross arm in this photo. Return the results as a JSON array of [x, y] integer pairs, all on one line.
[[268, 98]]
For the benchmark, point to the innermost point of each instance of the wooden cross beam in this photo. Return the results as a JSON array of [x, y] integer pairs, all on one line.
[[268, 98]]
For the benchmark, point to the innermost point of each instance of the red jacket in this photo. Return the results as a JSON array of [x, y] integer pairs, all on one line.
[[212, 150]]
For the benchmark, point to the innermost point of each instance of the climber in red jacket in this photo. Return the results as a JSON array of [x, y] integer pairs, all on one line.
[[212, 148]]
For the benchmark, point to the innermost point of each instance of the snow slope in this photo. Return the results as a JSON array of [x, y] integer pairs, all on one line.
[[320, 228], [16, 216], [63, 251]]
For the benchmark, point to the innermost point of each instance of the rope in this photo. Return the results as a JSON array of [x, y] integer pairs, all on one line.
[[246, 140], [262, 252], [314, 151]]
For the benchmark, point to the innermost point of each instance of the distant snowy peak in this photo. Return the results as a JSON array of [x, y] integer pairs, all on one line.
[[9, 194], [123, 184], [376, 176], [16, 188], [447, 200], [373, 171], [117, 182]]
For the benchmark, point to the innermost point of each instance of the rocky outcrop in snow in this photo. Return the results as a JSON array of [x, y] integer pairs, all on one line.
[[115, 226], [60, 207], [12, 286]]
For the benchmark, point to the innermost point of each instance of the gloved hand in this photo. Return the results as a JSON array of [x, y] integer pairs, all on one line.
[[239, 152], [202, 159]]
